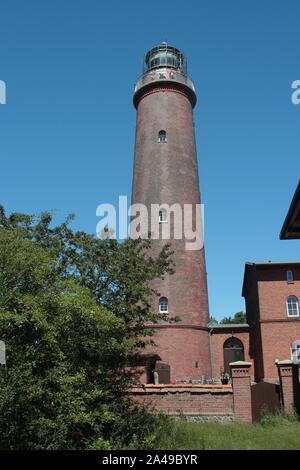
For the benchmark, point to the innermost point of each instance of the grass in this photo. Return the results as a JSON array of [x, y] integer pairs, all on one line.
[[277, 432]]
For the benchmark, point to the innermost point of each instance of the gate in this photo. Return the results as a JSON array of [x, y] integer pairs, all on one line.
[[265, 397]]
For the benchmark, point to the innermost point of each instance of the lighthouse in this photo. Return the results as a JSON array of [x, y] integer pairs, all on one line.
[[166, 174]]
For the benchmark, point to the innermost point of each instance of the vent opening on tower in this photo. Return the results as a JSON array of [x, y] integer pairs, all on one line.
[[163, 305], [162, 136]]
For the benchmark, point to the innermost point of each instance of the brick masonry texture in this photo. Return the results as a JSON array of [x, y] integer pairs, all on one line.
[[241, 384], [289, 382], [209, 402], [272, 331], [217, 342], [167, 173], [242, 401]]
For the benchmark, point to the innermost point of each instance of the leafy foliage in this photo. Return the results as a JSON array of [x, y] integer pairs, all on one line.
[[73, 311], [238, 317]]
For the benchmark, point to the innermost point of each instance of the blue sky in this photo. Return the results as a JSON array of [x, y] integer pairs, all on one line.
[[67, 130]]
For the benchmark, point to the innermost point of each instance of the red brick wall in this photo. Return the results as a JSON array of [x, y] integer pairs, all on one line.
[[168, 173], [217, 342], [272, 330], [241, 384], [209, 401], [273, 290], [240, 401], [184, 348], [276, 341]]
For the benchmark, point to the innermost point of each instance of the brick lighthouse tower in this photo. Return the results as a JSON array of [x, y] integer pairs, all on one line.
[[166, 172]]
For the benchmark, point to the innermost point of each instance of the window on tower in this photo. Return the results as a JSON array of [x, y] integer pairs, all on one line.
[[289, 276], [296, 352], [163, 305], [163, 215], [162, 136], [292, 306]]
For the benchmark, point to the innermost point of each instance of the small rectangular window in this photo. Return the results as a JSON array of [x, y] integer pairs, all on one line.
[[163, 305], [289, 276], [296, 352], [162, 136], [163, 215]]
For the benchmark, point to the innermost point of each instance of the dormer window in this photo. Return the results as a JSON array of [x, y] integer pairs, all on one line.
[[289, 276], [162, 136]]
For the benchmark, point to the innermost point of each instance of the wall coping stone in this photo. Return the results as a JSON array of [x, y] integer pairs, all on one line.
[[240, 364], [285, 362], [181, 388]]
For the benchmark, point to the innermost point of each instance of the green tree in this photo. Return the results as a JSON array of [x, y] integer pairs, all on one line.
[[72, 314], [238, 317]]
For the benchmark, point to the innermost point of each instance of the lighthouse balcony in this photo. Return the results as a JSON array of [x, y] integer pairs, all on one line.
[[161, 75]]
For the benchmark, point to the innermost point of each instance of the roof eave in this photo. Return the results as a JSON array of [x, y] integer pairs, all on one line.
[[288, 232]]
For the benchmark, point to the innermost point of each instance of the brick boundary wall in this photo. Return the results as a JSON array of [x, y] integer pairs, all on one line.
[[265, 399], [241, 384], [289, 385], [197, 402], [194, 402]]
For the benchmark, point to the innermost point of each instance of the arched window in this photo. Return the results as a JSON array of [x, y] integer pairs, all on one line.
[[163, 305], [163, 216], [289, 276], [162, 136], [233, 351], [292, 306], [296, 351]]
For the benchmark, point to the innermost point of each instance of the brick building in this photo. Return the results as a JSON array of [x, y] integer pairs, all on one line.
[[272, 332], [165, 174], [271, 291], [187, 370], [228, 343]]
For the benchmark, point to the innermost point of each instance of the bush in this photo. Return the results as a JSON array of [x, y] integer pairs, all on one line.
[[67, 311]]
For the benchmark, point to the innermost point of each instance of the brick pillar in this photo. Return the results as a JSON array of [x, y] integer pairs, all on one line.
[[288, 379], [241, 384]]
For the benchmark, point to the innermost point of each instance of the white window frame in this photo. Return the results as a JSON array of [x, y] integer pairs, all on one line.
[[163, 310], [287, 307], [163, 219], [295, 351], [165, 136]]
